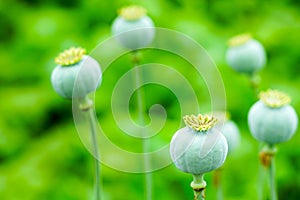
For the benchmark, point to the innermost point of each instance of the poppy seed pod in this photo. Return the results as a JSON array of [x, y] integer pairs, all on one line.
[[133, 28], [67, 71], [245, 55], [272, 120], [198, 148], [231, 132], [229, 129]]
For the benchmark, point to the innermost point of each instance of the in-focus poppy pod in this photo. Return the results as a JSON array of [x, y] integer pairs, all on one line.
[[75, 67], [198, 148], [271, 119]]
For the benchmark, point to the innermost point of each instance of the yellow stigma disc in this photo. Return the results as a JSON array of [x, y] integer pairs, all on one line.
[[274, 98], [70, 56], [132, 12], [200, 122], [239, 39]]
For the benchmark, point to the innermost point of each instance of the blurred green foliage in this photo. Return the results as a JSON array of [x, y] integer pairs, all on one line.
[[41, 155]]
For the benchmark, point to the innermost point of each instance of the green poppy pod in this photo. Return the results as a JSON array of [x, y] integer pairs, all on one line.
[[245, 55], [68, 70], [133, 28], [232, 134], [272, 120], [229, 129], [198, 148]]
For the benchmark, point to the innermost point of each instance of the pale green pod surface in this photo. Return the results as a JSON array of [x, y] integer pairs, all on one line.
[[272, 125], [198, 152], [134, 34], [88, 79], [232, 134], [247, 57], [133, 28]]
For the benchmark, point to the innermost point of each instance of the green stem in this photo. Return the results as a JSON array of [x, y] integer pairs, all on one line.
[[255, 81], [220, 192], [261, 179], [272, 180], [267, 157], [218, 183], [260, 185], [141, 119], [198, 185], [86, 106]]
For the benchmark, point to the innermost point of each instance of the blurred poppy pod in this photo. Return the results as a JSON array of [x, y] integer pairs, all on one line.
[[198, 148], [133, 28], [245, 54], [70, 62], [232, 134], [229, 129], [272, 120]]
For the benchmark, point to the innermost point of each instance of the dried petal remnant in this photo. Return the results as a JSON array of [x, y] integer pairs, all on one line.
[[200, 122]]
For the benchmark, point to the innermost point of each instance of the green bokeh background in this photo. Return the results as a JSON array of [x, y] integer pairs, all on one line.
[[41, 155]]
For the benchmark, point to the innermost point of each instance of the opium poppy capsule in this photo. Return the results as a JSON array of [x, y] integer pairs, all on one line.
[[70, 62], [133, 28], [199, 147], [245, 54], [271, 119], [229, 129]]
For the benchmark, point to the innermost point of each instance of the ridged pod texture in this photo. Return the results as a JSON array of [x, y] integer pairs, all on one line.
[[88, 79], [232, 134], [198, 152], [272, 125], [134, 34], [248, 57]]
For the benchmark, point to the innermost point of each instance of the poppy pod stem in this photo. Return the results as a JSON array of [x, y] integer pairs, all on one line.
[[255, 81], [85, 105], [272, 173], [198, 185], [267, 158], [217, 177], [141, 119]]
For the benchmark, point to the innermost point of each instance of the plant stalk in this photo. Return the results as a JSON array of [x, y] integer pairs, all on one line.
[[141, 119], [261, 182], [86, 106], [272, 180], [198, 185], [261, 176], [218, 183], [267, 158], [255, 81]]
